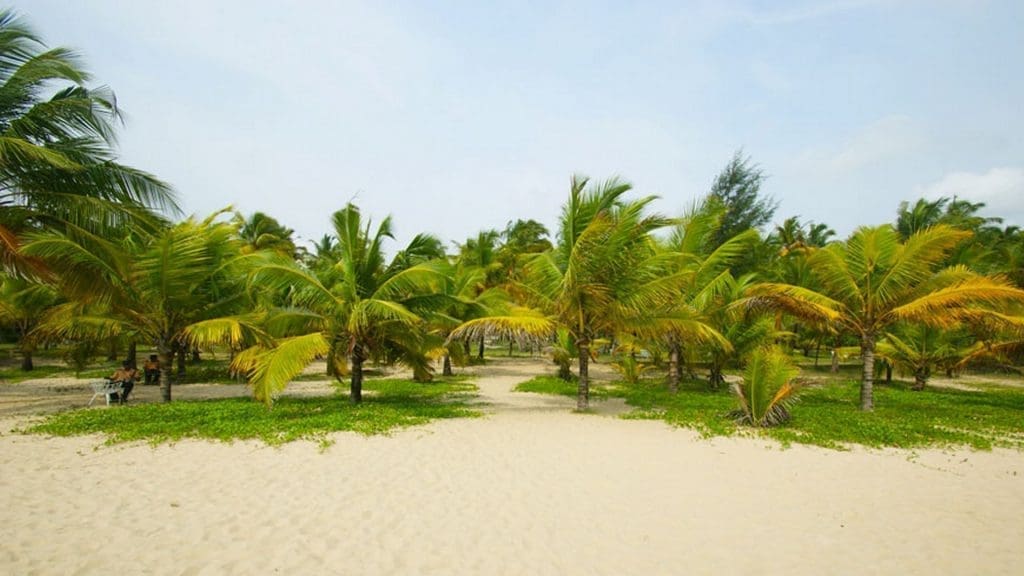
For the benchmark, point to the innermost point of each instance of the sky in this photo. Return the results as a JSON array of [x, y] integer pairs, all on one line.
[[455, 117]]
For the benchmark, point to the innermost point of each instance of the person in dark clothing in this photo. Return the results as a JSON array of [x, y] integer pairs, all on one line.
[[151, 370], [126, 375]]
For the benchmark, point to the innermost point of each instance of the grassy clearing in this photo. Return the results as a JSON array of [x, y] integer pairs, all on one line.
[[828, 415], [388, 405], [205, 372], [14, 374], [556, 386]]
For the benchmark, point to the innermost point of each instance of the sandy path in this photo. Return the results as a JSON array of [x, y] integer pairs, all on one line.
[[531, 489]]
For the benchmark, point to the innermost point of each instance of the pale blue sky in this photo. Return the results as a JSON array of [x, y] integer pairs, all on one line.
[[458, 116]]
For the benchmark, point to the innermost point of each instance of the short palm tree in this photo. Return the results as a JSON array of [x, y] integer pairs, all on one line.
[[874, 280], [920, 349], [57, 165], [768, 389]]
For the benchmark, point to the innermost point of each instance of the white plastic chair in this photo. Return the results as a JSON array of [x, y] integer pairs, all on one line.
[[105, 388]]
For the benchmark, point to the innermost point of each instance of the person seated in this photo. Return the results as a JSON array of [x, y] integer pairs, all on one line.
[[126, 375], [151, 370]]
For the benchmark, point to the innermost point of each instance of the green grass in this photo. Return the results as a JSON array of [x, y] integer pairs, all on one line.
[[14, 373], [829, 416], [206, 371], [558, 387], [388, 405]]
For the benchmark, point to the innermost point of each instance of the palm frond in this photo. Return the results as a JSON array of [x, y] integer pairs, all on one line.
[[521, 324], [270, 370]]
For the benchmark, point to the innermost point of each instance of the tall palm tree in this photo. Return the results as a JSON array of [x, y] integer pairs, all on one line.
[[874, 280], [604, 275], [356, 308], [921, 216], [57, 137]]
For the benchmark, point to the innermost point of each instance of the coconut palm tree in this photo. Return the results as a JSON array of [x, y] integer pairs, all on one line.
[[468, 298], [919, 349], [57, 163], [22, 305], [604, 275], [873, 281], [700, 263], [743, 330], [263, 232], [148, 288], [357, 308]]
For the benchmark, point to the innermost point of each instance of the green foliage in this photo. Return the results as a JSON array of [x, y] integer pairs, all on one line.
[[737, 188], [57, 157], [80, 354], [263, 232], [392, 404], [768, 389], [875, 280], [828, 416], [356, 305], [630, 368], [918, 349], [603, 276], [13, 374], [557, 387]]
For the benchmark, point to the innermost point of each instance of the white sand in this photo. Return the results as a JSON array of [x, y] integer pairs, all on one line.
[[531, 489]]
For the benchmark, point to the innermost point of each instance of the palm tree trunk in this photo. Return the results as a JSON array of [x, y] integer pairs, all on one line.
[[888, 373], [25, 347], [133, 354], [196, 357], [447, 370], [867, 382], [920, 379], [715, 378], [480, 349], [165, 354], [356, 387], [583, 387], [835, 361], [181, 362], [673, 366], [331, 354]]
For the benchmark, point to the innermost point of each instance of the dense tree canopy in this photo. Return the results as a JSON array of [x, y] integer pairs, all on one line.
[[94, 253]]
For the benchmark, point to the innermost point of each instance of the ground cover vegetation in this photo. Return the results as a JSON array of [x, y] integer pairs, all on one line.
[[99, 266]]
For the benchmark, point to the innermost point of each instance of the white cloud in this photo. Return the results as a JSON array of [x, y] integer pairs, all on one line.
[[1001, 189], [888, 139]]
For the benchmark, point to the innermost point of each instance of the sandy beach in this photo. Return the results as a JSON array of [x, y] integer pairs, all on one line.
[[530, 489]]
